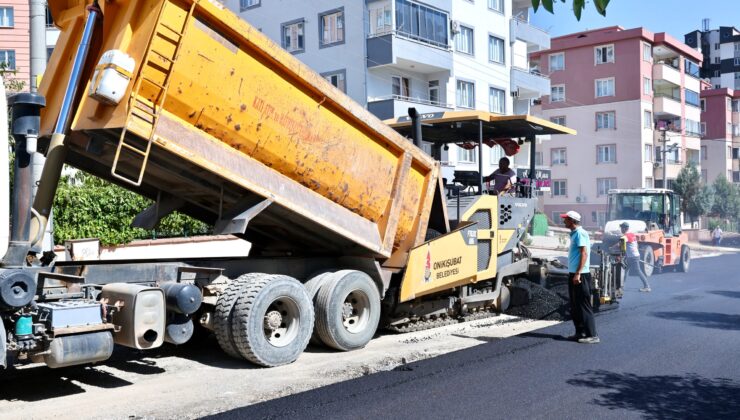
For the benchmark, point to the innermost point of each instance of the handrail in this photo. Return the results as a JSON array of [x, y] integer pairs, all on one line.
[[517, 19], [421, 101]]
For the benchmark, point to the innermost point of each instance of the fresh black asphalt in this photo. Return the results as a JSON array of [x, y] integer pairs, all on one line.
[[670, 354]]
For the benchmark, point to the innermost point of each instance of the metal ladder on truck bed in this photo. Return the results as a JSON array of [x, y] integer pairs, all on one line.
[[139, 109]]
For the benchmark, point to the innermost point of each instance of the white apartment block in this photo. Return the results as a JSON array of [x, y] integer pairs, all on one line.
[[435, 55]]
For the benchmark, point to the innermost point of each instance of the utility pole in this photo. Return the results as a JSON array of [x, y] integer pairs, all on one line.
[[664, 141]]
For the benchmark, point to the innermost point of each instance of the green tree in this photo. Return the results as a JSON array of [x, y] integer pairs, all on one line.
[[90, 207], [697, 199], [578, 6], [726, 199], [10, 82]]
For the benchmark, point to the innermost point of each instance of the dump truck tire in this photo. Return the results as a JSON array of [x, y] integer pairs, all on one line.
[[273, 320], [223, 314], [348, 310], [648, 257], [683, 264], [312, 287], [504, 299]]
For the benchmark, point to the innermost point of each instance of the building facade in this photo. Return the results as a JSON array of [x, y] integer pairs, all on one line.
[[720, 145], [720, 49], [630, 94], [15, 47], [436, 55]]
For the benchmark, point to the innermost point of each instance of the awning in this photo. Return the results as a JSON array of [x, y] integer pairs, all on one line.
[[461, 126]]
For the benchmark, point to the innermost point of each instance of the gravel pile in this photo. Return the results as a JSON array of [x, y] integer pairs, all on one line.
[[544, 303]]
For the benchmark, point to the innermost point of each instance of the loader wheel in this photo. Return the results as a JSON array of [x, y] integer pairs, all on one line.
[[348, 310], [224, 312], [648, 257], [683, 265], [273, 320], [312, 287]]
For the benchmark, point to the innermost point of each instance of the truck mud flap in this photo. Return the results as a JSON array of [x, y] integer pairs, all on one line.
[[3, 346]]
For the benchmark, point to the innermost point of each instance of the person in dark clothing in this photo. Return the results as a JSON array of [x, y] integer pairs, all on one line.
[[579, 281]]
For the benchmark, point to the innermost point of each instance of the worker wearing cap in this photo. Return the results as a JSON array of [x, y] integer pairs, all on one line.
[[632, 255], [579, 281]]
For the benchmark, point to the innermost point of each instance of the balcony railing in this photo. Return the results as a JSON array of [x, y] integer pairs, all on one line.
[[421, 101], [411, 37], [667, 95], [518, 19]]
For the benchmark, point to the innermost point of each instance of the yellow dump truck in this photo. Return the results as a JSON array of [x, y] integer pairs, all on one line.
[[184, 103]]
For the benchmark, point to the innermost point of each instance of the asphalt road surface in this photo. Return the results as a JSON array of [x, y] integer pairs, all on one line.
[[670, 354]]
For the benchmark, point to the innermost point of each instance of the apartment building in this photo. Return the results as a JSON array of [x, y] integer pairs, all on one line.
[[15, 48], [436, 55], [630, 94], [720, 49], [720, 145]]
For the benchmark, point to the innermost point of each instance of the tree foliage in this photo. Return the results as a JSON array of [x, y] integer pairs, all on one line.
[[578, 6], [697, 199], [93, 208], [11, 83], [727, 199]]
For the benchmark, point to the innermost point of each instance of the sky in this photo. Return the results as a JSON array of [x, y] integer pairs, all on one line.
[[677, 17]]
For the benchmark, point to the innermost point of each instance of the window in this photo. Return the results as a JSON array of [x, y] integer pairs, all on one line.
[[716, 60], [703, 128], [497, 100], [703, 152], [538, 158], [557, 62], [648, 182], [606, 153], [6, 17], [338, 79], [248, 4], [604, 54], [647, 86], [7, 59], [49, 19], [293, 36], [422, 23], [647, 119], [381, 19], [703, 105], [704, 176], [467, 155], [716, 73], [736, 61], [648, 153], [692, 128], [691, 68], [647, 52], [716, 45], [557, 93], [736, 153], [692, 98], [603, 185], [401, 86], [605, 120], [496, 154], [735, 176], [496, 51], [465, 94], [558, 156], [331, 28], [735, 105], [559, 188], [434, 91], [49, 50], [604, 87], [728, 130], [558, 120], [497, 5], [464, 40], [729, 152]]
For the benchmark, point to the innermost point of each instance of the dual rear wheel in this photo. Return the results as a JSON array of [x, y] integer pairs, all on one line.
[[269, 319]]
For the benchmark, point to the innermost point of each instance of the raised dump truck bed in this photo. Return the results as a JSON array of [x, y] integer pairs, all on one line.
[[242, 134]]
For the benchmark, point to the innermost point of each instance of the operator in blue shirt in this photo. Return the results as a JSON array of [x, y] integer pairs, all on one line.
[[579, 281]]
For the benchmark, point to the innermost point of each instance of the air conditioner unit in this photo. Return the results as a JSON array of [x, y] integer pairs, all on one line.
[[454, 27], [656, 165], [581, 199]]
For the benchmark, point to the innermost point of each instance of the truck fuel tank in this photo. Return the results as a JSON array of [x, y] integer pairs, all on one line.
[[140, 315]]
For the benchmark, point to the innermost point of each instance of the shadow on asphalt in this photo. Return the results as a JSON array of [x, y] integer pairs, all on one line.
[[664, 397], [556, 337], [703, 319], [726, 293]]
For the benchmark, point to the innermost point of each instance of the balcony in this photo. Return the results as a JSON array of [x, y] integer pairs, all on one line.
[[664, 104], [529, 84], [404, 51], [662, 71], [525, 31], [391, 106]]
